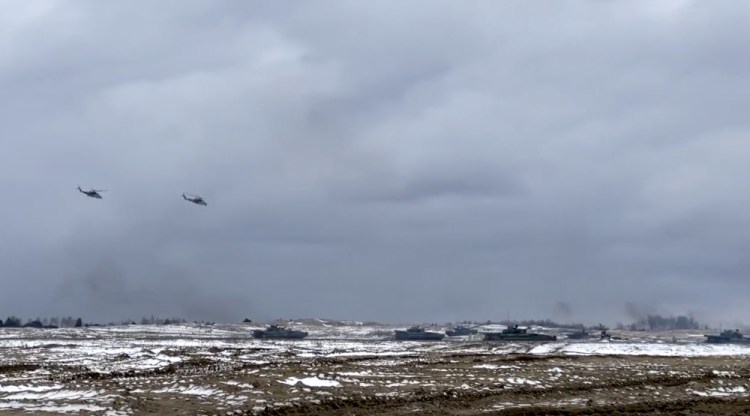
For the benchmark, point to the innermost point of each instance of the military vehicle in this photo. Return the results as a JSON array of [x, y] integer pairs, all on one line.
[[581, 334], [416, 333], [278, 332], [728, 336], [92, 193], [514, 333], [460, 330], [194, 199], [606, 336]]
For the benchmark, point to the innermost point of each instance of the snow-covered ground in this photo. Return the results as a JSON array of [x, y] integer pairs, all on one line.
[[139, 347], [61, 371]]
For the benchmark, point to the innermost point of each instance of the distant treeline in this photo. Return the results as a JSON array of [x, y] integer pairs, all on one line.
[[152, 320], [647, 323], [547, 323], [661, 323], [16, 322], [70, 322]]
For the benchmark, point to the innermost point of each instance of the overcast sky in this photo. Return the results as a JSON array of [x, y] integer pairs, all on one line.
[[382, 160]]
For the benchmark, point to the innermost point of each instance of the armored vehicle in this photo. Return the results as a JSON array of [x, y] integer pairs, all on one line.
[[514, 333], [606, 336], [582, 334], [728, 336], [278, 332], [460, 330], [416, 333]]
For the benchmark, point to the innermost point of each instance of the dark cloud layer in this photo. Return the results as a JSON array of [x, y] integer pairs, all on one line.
[[388, 160]]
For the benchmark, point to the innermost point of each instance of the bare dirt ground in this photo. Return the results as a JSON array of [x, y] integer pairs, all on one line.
[[199, 371]]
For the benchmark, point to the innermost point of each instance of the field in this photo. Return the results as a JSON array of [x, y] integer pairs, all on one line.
[[347, 368]]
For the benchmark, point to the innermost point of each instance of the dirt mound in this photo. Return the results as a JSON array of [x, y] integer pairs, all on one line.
[[17, 368]]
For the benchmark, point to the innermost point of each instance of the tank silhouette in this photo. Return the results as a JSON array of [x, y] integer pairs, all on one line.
[[581, 334], [416, 333], [514, 333], [278, 332], [604, 334], [460, 330], [728, 336]]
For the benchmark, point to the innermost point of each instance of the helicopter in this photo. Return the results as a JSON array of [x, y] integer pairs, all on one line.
[[194, 199], [93, 193]]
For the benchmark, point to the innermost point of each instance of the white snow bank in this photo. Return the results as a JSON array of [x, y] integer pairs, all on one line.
[[16, 389], [634, 348], [311, 382]]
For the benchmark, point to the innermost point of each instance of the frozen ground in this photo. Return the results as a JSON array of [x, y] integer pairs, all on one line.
[[352, 368]]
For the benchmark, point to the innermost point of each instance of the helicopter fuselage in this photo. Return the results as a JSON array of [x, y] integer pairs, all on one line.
[[92, 193], [195, 199], [198, 201]]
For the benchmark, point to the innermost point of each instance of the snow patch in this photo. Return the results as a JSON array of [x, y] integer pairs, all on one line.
[[16, 389], [310, 382]]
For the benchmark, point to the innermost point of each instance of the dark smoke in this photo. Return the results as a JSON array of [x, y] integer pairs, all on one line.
[[563, 310], [637, 312]]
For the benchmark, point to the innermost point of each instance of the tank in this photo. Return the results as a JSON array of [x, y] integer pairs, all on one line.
[[416, 333], [727, 336], [581, 334], [514, 333], [460, 330], [278, 332]]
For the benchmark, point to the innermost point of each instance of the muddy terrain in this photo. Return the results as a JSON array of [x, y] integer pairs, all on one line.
[[348, 369]]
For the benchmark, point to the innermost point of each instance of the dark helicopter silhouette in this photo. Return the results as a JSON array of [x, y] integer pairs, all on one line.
[[93, 193], [194, 199]]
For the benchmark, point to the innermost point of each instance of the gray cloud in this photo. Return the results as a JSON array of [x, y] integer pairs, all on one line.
[[391, 161]]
